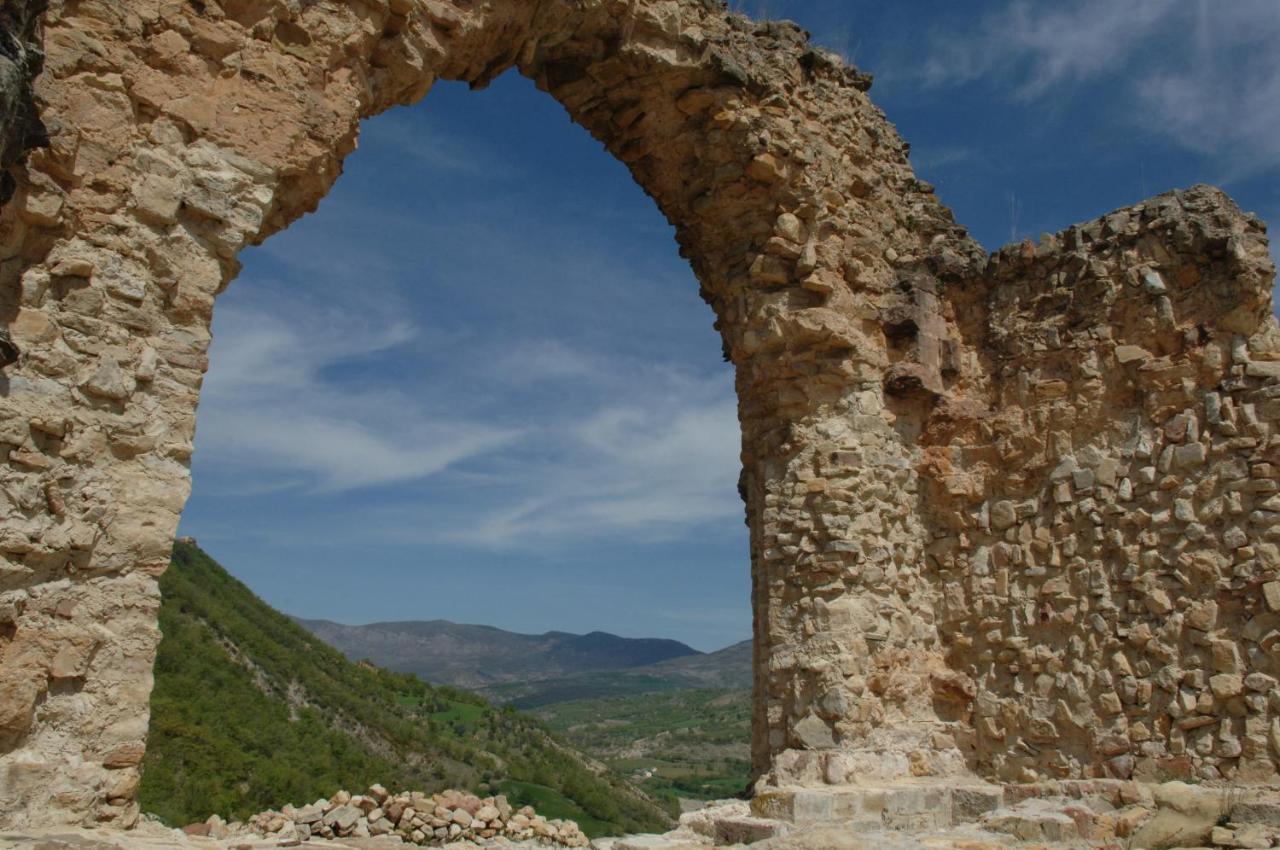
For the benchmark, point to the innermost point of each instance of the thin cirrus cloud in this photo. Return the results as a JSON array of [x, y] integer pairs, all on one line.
[[655, 464], [540, 360], [1228, 111], [1204, 76], [652, 455], [1048, 45], [270, 409], [424, 147], [608, 444]]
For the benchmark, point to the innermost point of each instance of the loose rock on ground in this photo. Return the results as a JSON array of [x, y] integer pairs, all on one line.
[[414, 817]]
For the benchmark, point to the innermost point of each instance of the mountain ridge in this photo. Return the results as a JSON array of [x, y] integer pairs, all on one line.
[[724, 669], [477, 656]]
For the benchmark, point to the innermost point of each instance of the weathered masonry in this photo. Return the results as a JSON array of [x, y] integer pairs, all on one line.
[[1014, 516]]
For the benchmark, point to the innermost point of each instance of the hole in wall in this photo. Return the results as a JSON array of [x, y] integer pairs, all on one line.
[[479, 385], [902, 332]]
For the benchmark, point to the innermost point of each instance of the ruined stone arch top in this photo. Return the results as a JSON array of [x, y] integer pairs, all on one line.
[[1011, 516]]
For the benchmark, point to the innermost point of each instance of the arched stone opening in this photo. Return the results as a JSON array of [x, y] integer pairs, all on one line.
[[191, 132], [886, 387]]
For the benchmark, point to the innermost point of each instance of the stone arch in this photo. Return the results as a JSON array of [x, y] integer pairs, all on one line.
[[880, 369]]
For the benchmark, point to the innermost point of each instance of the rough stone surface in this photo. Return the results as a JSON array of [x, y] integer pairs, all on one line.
[[1011, 516]]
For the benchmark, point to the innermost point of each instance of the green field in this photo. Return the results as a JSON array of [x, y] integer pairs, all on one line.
[[581, 688]]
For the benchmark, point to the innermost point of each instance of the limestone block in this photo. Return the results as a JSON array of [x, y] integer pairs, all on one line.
[[1185, 816], [748, 830], [970, 802]]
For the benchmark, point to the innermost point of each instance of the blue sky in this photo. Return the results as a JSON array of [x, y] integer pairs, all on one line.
[[478, 384]]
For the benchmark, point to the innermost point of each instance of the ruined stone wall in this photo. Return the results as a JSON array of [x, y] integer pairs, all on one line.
[[1104, 551], [896, 406]]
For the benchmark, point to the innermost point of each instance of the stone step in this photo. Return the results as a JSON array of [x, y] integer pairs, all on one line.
[[903, 805], [645, 842], [1264, 811], [1083, 813], [748, 830]]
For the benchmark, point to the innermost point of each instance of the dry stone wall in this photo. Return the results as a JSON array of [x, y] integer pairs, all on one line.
[[1103, 523], [1009, 516]]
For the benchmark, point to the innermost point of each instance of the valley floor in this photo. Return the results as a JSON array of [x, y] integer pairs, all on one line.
[[691, 745]]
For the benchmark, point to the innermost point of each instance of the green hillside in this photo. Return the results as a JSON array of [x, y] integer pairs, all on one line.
[[250, 711]]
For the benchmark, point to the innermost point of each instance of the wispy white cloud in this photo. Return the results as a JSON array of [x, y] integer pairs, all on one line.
[[1040, 46], [341, 452], [1222, 98], [271, 413], [422, 146], [533, 361], [649, 454], [532, 442], [928, 159], [276, 348], [1204, 76]]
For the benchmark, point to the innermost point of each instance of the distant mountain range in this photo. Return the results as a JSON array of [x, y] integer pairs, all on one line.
[[725, 669], [484, 658]]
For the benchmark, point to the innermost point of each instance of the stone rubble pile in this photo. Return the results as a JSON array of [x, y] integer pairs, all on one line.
[[418, 818]]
